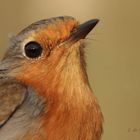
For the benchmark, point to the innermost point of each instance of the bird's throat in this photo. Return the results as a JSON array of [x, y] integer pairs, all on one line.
[[72, 108], [68, 80]]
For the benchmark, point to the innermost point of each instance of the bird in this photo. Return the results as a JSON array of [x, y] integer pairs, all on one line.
[[45, 93]]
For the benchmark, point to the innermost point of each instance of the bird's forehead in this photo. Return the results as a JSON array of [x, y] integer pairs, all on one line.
[[51, 31]]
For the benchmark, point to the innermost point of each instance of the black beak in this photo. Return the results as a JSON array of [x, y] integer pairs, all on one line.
[[82, 30]]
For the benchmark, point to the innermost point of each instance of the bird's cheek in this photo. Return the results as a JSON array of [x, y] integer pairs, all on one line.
[[28, 73]]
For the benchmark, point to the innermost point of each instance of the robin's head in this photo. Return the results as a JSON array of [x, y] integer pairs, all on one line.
[[47, 50]]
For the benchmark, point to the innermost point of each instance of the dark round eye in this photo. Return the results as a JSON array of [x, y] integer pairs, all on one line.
[[33, 49]]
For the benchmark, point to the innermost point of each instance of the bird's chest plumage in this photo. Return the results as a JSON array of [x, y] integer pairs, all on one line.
[[76, 124], [70, 118], [64, 124]]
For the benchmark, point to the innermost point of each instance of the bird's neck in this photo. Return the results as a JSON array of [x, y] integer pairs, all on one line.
[[68, 81], [71, 110]]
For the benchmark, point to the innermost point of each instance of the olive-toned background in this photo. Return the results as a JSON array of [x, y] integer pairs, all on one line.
[[113, 53]]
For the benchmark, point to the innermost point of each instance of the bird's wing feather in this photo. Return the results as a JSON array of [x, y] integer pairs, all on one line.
[[12, 95]]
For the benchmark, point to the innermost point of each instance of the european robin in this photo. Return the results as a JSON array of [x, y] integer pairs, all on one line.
[[44, 88]]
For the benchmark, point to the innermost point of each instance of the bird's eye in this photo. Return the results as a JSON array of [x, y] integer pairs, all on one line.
[[33, 49]]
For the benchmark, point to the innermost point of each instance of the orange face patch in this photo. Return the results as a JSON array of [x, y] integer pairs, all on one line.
[[56, 32], [49, 34]]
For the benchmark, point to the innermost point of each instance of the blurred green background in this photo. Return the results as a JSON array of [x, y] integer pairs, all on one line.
[[113, 53]]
